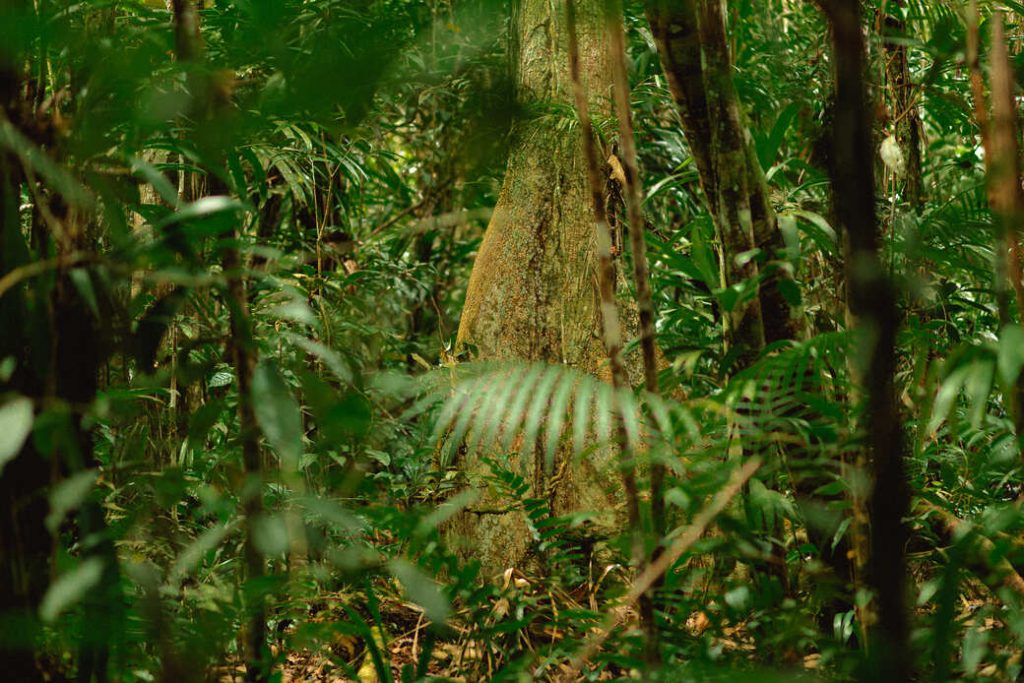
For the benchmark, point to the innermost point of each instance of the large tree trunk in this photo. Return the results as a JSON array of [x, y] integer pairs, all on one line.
[[533, 291]]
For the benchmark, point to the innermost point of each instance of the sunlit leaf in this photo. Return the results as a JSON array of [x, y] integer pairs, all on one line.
[[70, 588], [16, 416], [277, 412], [422, 590], [68, 495]]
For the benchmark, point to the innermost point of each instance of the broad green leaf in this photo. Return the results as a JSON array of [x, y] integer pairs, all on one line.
[[704, 258], [158, 180], [70, 588], [628, 413], [537, 412], [15, 425], [297, 311], [7, 367], [447, 510], [270, 534], [83, 285], [277, 413], [422, 590], [514, 413], [332, 513], [193, 554], [768, 148], [488, 423], [948, 392], [68, 495], [202, 208], [817, 228], [479, 391], [603, 410], [338, 417], [738, 598], [977, 387], [583, 411], [975, 647], [556, 417], [32, 156], [221, 378], [1010, 359]]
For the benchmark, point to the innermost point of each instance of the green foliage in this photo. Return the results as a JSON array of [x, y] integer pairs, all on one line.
[[354, 161]]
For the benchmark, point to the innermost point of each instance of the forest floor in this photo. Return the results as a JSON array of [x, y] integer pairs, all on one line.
[[348, 659]]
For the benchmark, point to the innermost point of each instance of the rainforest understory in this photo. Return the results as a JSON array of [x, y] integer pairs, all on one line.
[[511, 340]]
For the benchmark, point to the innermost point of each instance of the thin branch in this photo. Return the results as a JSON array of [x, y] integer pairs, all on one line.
[[683, 542], [641, 279], [30, 270], [606, 269]]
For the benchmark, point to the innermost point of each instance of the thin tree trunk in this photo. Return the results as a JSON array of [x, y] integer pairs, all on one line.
[[611, 327], [1002, 164], [645, 303], [872, 302], [906, 118], [1003, 161], [210, 105]]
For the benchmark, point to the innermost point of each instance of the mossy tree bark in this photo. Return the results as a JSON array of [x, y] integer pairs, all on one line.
[[533, 292], [691, 40], [692, 45]]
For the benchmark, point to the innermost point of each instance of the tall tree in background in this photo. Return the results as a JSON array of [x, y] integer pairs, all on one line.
[[1002, 159], [211, 111], [695, 55], [694, 52]]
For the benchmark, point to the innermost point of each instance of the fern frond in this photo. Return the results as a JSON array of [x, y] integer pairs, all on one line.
[[535, 406]]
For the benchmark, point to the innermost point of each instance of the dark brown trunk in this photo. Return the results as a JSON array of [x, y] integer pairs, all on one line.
[[24, 539], [872, 302], [77, 357]]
